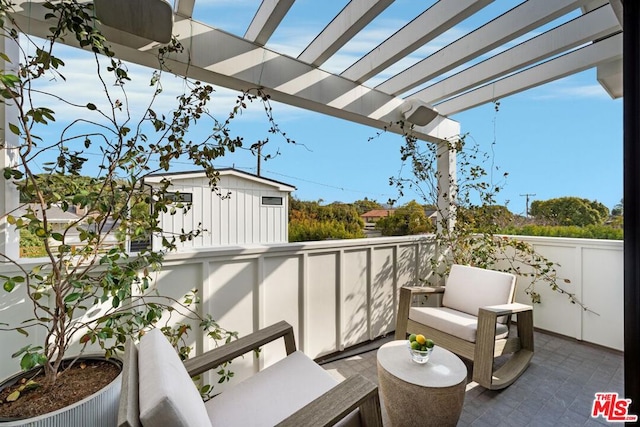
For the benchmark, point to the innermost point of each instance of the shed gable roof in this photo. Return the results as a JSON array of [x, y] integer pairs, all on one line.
[[175, 176]]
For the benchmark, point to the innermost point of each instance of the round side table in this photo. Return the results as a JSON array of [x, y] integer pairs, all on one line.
[[421, 395]]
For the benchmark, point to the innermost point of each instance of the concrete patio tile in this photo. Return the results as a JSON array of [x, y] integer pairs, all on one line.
[[554, 409], [597, 422], [531, 407], [497, 412], [570, 418]]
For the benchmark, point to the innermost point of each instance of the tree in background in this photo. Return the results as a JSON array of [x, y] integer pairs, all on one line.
[[618, 209], [486, 217], [366, 205], [569, 211], [312, 221], [616, 220], [406, 220]]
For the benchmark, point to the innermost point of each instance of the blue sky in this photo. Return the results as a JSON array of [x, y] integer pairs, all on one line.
[[561, 139]]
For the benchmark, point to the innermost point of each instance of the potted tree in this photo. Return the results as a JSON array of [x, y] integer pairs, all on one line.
[[89, 290]]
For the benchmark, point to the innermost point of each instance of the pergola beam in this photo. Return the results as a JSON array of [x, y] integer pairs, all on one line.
[[431, 23], [266, 20], [184, 8], [594, 25], [225, 60], [518, 21], [353, 18], [578, 60]]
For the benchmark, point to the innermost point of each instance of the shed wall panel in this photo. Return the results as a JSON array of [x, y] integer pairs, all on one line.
[[230, 214]]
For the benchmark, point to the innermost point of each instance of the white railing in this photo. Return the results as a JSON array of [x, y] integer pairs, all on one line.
[[343, 292], [595, 271]]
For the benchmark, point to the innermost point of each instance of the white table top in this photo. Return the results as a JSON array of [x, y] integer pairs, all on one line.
[[444, 369]]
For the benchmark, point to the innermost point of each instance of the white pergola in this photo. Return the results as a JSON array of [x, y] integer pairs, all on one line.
[[417, 93], [489, 62]]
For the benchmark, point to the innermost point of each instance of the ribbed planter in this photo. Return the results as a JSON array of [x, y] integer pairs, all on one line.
[[97, 410]]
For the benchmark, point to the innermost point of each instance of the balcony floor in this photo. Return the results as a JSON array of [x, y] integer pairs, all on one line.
[[556, 390]]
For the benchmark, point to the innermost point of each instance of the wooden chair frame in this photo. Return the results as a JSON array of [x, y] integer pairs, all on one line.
[[486, 347], [353, 393]]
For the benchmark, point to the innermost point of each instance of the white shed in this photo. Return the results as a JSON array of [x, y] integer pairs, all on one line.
[[255, 210]]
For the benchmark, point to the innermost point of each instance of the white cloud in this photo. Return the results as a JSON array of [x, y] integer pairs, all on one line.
[[558, 90]]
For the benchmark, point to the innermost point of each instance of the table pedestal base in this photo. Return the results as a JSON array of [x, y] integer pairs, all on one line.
[[411, 405]]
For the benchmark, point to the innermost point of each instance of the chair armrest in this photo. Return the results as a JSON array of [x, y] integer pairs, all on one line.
[[128, 406], [506, 309], [422, 290], [354, 392], [233, 349], [404, 306]]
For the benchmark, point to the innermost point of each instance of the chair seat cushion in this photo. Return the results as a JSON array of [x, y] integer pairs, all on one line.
[[452, 322], [167, 395], [273, 394]]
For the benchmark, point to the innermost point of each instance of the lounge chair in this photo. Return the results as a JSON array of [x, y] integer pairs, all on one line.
[[157, 389]]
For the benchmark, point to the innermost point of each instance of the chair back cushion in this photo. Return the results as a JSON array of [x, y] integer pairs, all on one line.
[[168, 396], [469, 288]]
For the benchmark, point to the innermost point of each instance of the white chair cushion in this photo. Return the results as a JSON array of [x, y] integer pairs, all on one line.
[[452, 322], [469, 288], [168, 396], [273, 394]]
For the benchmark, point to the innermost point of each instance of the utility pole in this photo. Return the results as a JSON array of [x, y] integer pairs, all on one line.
[[259, 158], [527, 195]]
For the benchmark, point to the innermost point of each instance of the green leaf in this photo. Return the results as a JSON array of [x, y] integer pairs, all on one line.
[[9, 285], [72, 297], [9, 79], [91, 106], [28, 361], [22, 350], [30, 385], [13, 396], [14, 129]]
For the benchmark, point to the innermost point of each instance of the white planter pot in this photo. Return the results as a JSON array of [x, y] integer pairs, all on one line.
[[97, 410]]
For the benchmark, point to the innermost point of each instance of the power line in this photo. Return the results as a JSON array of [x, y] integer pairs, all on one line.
[[327, 185]]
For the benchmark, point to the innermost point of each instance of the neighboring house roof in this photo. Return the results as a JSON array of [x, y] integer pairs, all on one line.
[[431, 213], [281, 186], [378, 213], [54, 214]]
